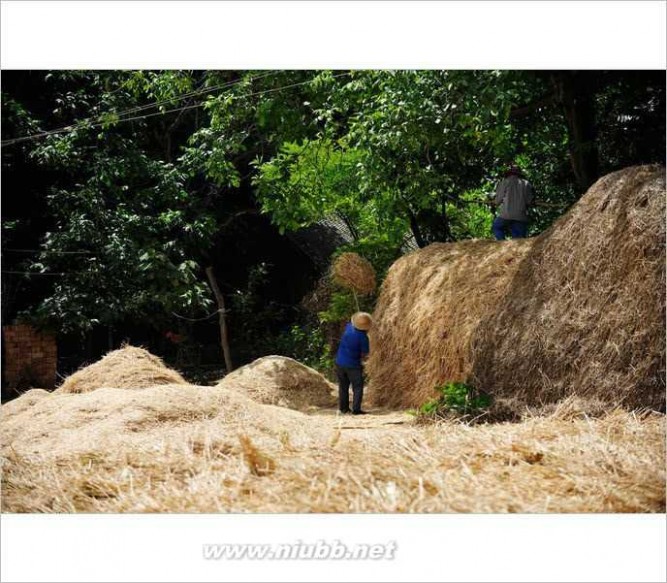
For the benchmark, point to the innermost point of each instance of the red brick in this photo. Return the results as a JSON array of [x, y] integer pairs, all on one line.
[[26, 348]]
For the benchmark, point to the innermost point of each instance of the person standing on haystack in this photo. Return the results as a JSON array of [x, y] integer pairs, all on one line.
[[352, 351], [513, 197]]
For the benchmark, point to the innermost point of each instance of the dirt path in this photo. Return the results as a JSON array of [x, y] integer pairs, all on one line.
[[376, 419]]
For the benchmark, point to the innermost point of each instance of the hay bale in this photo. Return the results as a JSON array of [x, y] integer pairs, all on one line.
[[282, 381], [430, 305], [577, 310], [586, 311], [126, 368], [353, 272]]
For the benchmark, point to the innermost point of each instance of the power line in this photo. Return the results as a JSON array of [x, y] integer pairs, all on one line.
[[198, 319], [95, 122], [196, 105], [195, 93], [49, 251], [33, 273]]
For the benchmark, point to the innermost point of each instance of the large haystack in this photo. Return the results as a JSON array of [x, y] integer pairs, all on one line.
[[579, 309], [586, 310], [278, 380], [430, 305], [127, 368]]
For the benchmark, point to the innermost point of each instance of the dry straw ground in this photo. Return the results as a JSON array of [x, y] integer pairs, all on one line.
[[183, 448], [578, 310]]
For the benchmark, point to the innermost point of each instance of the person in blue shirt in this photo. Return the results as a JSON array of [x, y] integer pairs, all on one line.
[[352, 351]]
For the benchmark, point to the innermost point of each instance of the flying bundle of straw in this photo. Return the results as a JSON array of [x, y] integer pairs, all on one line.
[[352, 271]]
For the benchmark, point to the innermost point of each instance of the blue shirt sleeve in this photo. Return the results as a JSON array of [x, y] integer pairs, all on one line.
[[364, 345]]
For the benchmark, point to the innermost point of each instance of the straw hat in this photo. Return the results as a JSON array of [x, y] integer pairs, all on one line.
[[362, 321]]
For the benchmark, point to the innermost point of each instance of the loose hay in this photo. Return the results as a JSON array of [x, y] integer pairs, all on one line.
[[181, 448], [127, 368], [282, 381], [579, 309], [352, 271]]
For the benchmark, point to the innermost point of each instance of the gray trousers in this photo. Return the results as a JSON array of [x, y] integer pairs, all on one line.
[[347, 376]]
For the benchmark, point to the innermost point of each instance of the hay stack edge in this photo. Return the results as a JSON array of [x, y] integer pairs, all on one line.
[[579, 309]]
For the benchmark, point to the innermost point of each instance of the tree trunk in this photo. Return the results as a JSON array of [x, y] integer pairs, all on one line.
[[89, 345], [416, 231], [222, 319], [578, 100]]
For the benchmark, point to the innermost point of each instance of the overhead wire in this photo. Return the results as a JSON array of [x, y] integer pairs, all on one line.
[[196, 105], [48, 251], [97, 120], [95, 123], [196, 93], [34, 273]]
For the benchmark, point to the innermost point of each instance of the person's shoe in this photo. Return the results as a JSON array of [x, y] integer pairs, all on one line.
[[345, 412], [360, 412]]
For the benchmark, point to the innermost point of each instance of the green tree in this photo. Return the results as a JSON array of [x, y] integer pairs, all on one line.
[[154, 168]]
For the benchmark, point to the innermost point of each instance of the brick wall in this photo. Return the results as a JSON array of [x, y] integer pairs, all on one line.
[[29, 357]]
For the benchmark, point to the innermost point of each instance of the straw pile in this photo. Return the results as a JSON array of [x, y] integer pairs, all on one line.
[[181, 448], [282, 381], [353, 272], [430, 305], [586, 311], [127, 368], [578, 310]]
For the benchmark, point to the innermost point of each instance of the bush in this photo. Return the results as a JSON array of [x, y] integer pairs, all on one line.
[[455, 399], [307, 344]]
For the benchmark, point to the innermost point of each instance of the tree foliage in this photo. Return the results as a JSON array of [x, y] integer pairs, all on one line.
[[154, 169]]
